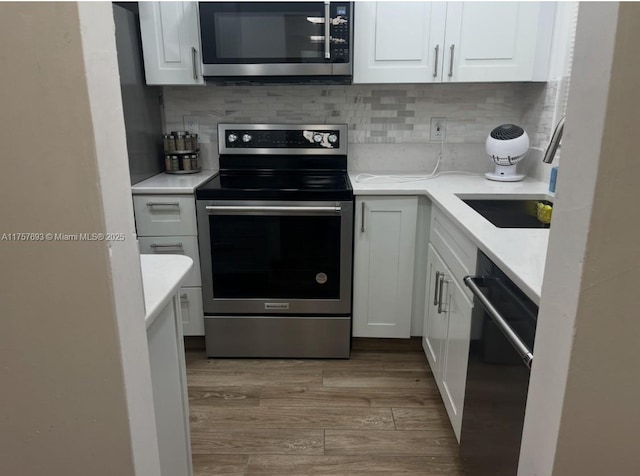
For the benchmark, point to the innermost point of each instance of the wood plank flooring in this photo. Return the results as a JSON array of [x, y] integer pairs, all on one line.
[[378, 413]]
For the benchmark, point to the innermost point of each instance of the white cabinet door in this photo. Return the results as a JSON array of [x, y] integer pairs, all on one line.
[[171, 42], [455, 355], [384, 251], [398, 42], [446, 335], [434, 329], [494, 41]]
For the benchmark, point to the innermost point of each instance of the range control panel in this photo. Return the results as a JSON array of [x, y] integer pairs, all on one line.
[[277, 138]]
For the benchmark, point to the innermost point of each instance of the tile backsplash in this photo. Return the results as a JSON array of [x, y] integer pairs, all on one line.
[[398, 117]]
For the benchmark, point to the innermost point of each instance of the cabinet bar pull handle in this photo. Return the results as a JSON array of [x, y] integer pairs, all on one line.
[[163, 204], [166, 245], [184, 297], [435, 291], [435, 66], [194, 55], [451, 61], [327, 30], [442, 281], [362, 221]]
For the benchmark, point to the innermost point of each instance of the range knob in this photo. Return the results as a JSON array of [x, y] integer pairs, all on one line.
[[333, 138], [246, 138], [317, 138], [232, 137]]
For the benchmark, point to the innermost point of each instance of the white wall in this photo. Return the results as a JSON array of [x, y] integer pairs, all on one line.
[[582, 413], [103, 86], [76, 394]]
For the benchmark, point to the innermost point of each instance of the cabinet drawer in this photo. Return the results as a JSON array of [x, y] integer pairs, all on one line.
[[191, 310], [175, 245], [456, 249], [165, 215]]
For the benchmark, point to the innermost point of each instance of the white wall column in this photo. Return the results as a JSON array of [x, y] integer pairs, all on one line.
[[583, 413]]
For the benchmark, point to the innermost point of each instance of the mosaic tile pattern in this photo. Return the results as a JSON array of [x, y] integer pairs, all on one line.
[[375, 113], [398, 116]]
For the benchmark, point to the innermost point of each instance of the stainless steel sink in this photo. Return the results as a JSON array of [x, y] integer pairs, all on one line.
[[509, 213]]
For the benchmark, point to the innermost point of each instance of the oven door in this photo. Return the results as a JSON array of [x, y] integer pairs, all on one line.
[[274, 257], [275, 38]]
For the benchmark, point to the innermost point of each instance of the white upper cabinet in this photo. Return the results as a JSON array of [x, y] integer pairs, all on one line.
[[496, 41], [171, 42], [421, 42], [398, 42]]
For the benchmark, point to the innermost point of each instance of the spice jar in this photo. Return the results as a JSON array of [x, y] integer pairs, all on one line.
[[194, 162], [179, 137], [169, 143], [194, 141], [186, 162], [175, 164], [167, 163], [188, 142]]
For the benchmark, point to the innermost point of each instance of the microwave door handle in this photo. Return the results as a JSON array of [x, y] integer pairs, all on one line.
[[327, 30], [525, 353]]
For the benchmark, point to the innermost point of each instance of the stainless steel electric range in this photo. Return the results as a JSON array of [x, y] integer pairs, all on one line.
[[276, 243]]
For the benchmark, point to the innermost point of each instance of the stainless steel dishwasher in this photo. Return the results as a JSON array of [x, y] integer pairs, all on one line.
[[500, 359]]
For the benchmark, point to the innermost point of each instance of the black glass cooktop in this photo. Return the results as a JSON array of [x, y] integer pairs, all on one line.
[[277, 185]]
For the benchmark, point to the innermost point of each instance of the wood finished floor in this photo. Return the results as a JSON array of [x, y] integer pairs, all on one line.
[[378, 413]]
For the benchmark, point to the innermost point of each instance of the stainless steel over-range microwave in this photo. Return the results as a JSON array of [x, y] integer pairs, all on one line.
[[265, 39]]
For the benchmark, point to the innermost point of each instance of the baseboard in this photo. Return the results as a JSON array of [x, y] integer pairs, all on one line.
[[193, 342], [197, 343], [387, 345]]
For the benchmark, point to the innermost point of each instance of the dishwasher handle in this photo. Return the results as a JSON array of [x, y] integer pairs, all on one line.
[[525, 353]]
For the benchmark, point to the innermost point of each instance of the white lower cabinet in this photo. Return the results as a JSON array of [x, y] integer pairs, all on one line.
[[166, 224], [169, 382], [383, 268], [446, 334]]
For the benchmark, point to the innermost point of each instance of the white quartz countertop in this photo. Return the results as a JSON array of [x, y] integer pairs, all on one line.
[[519, 252], [172, 183], [161, 277]]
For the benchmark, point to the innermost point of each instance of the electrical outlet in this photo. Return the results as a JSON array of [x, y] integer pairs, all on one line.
[[191, 124], [438, 129]]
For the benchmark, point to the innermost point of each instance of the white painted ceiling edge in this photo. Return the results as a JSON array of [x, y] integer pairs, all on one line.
[[103, 84]]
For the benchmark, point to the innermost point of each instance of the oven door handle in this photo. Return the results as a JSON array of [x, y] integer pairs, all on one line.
[[253, 209], [525, 353]]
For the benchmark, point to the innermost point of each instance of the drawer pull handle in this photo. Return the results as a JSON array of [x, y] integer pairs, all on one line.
[[166, 245], [184, 297], [163, 204]]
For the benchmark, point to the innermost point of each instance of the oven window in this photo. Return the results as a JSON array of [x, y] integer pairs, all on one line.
[[262, 32], [283, 257]]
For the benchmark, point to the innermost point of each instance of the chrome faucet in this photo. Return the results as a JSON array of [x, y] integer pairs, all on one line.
[[552, 148]]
